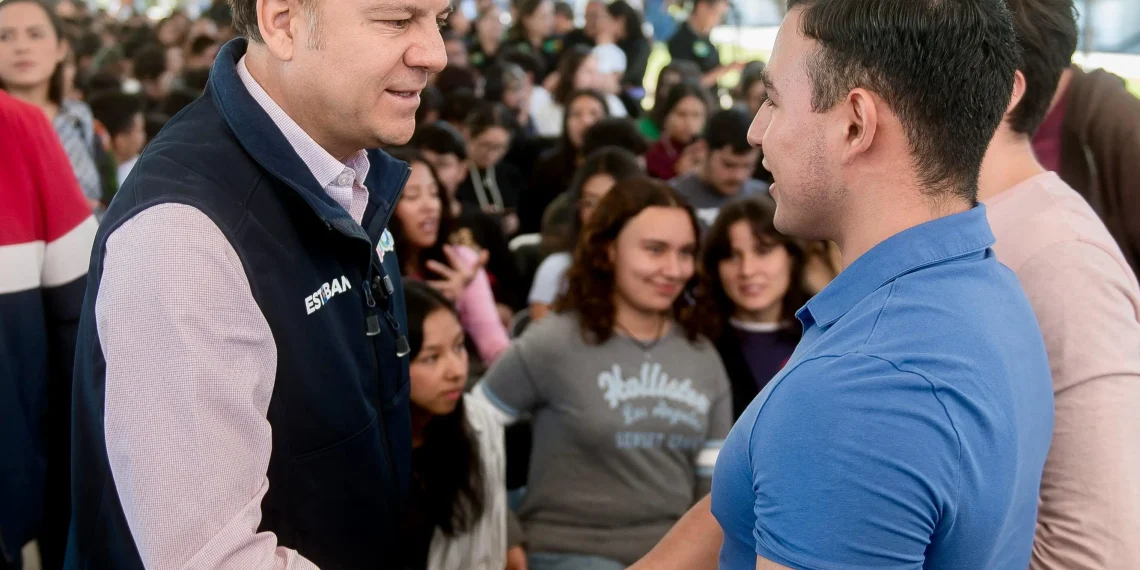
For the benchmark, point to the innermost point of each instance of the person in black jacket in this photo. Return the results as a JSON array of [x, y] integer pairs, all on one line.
[[754, 277]]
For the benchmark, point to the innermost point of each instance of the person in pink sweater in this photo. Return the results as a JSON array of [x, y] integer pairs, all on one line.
[[1087, 302], [421, 228]]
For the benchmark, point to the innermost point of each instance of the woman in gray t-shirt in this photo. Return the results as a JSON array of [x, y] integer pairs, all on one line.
[[630, 403]]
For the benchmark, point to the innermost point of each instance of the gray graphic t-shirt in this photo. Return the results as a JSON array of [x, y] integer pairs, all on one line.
[[624, 439]]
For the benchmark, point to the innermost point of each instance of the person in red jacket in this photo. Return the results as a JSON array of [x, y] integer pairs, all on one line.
[[46, 233]]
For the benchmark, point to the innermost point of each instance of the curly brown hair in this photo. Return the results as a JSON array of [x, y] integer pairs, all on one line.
[[759, 213], [590, 279]]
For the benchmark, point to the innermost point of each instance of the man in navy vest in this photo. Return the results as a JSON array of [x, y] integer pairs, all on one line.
[[241, 392]]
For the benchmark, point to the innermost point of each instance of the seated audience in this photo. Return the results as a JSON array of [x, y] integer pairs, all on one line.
[[454, 77], [456, 47], [631, 39], [493, 186], [153, 77], [533, 31], [421, 227], [431, 102], [578, 70], [457, 105], [443, 148], [754, 277], [675, 73], [681, 119], [203, 50], [630, 401], [457, 507], [750, 93], [615, 132], [601, 171], [551, 176], [563, 19], [507, 83], [488, 38], [725, 173], [122, 117], [611, 59]]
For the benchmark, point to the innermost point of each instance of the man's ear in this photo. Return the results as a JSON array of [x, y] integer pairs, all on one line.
[[861, 123], [280, 23], [1018, 92]]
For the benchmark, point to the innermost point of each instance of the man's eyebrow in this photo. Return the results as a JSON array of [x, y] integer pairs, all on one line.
[[767, 81], [411, 8]]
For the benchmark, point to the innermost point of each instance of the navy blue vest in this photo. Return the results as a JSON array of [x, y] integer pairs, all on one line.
[[338, 473]]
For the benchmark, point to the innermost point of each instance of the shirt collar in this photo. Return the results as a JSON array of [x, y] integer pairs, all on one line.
[[932, 243], [324, 166]]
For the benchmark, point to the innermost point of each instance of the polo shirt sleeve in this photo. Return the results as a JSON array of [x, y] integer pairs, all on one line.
[[854, 464]]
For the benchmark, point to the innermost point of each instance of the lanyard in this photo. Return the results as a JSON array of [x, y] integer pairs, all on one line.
[[496, 198]]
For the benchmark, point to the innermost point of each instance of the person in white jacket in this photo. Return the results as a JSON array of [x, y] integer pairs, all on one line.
[[457, 515]]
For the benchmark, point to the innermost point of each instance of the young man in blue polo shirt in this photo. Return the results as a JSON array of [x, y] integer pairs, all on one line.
[[910, 427]]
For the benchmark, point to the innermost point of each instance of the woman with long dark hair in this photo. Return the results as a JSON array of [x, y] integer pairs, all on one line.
[[577, 71], [533, 31], [488, 38], [675, 73], [681, 120], [552, 173], [457, 515], [421, 227], [630, 401], [755, 279], [622, 25], [593, 180], [33, 51]]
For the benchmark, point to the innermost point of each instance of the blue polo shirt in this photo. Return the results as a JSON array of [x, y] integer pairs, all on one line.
[[910, 426]]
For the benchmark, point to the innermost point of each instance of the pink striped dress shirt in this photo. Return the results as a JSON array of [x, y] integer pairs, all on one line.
[[191, 365]]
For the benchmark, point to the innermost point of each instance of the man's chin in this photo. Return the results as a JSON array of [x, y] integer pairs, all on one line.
[[395, 134]]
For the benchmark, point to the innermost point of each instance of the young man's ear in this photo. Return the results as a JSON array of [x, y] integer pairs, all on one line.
[[862, 123], [1018, 92]]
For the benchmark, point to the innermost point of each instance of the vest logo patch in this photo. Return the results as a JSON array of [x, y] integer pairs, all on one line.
[[327, 291], [387, 243]]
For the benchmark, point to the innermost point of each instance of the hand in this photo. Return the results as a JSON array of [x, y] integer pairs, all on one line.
[[456, 274], [516, 558], [692, 158], [510, 224], [551, 82]]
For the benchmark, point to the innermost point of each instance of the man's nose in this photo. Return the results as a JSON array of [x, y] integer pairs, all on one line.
[[759, 127], [427, 52]]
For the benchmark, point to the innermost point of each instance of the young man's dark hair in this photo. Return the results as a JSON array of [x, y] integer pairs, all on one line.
[[150, 63], [439, 138], [614, 131], [729, 129], [1047, 34], [949, 96], [115, 109]]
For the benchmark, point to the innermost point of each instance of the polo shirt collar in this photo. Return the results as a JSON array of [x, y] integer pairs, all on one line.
[[932, 243]]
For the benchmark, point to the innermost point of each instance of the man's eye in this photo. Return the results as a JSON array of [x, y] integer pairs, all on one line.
[[441, 23], [399, 24]]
